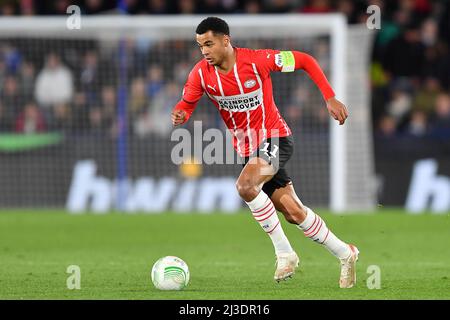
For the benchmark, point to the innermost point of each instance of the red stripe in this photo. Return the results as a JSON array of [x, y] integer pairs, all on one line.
[[273, 227], [315, 218], [265, 212], [266, 217], [318, 229], [326, 236], [315, 228], [262, 208]]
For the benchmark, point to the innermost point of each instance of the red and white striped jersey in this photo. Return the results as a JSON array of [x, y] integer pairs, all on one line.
[[243, 96]]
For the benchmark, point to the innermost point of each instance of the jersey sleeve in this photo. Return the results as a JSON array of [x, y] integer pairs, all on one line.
[[192, 93], [266, 61], [193, 90], [274, 60], [288, 61]]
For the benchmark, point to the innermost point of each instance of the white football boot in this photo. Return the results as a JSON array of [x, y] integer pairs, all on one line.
[[348, 268], [286, 264]]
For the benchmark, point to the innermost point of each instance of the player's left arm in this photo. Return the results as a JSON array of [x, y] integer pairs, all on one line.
[[288, 61], [306, 62]]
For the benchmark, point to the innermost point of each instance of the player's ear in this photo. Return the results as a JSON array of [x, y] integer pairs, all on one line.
[[226, 40]]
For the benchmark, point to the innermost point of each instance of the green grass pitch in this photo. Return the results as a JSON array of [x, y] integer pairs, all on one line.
[[229, 256]]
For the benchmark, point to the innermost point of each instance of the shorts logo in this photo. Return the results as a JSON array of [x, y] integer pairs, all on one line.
[[270, 154], [249, 83]]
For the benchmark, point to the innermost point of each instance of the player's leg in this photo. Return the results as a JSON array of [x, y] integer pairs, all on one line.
[[286, 200], [249, 185]]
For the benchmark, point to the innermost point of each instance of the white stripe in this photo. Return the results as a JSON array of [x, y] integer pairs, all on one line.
[[231, 114], [284, 122], [203, 82], [236, 75], [219, 82], [249, 133], [262, 102]]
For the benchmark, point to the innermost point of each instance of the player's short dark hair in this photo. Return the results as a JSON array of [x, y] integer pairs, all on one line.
[[214, 24]]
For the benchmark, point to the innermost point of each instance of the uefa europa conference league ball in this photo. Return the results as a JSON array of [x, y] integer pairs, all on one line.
[[170, 273]]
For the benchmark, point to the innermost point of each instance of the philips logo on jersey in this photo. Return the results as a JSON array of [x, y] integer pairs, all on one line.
[[240, 102]]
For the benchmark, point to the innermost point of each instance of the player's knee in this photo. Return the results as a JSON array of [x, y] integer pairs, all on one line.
[[246, 190]]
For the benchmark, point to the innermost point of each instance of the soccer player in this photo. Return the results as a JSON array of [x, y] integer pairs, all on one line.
[[237, 81]]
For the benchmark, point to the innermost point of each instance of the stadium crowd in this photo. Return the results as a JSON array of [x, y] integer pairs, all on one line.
[[410, 69]]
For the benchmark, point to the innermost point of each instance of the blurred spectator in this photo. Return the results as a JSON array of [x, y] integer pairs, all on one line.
[[440, 125], [129, 6], [157, 117], [404, 56], [278, 6], [93, 6], [61, 117], [155, 80], [386, 127], [418, 124], [58, 7], [108, 101], [89, 76], [11, 57], [12, 100], [210, 6], [5, 123], [27, 80], [30, 120], [54, 84], [181, 71], [98, 124], [316, 6], [401, 101], [252, 7], [2, 73], [347, 7], [298, 100], [426, 96], [444, 25], [8, 8], [108, 108], [157, 7], [27, 8], [230, 6], [429, 32], [186, 7], [80, 113], [436, 63], [138, 100]]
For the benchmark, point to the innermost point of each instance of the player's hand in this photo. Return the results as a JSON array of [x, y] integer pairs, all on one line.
[[178, 117], [337, 110]]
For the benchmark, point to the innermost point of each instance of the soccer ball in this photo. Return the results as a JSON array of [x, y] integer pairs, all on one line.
[[170, 273]]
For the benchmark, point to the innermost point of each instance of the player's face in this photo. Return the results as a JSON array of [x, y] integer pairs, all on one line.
[[213, 47]]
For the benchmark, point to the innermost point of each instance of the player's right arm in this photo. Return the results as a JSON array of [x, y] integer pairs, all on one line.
[[192, 92]]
